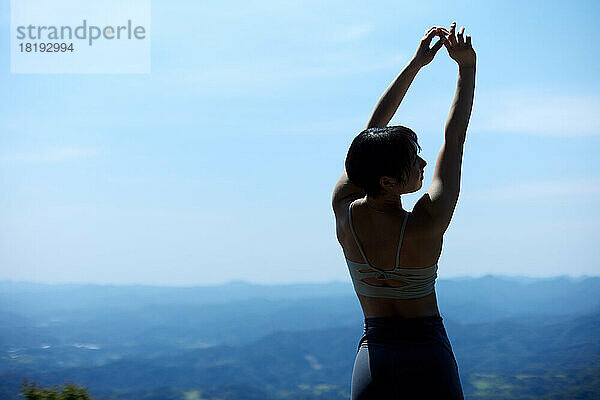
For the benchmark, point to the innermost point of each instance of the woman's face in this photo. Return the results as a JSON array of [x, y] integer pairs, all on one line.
[[415, 179], [414, 182]]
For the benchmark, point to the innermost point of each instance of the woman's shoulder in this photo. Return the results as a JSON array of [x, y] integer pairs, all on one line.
[[341, 207], [421, 222], [341, 211]]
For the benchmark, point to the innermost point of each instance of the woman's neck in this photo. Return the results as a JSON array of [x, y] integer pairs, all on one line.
[[387, 203]]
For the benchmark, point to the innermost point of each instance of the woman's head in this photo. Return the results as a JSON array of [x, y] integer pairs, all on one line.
[[384, 160]]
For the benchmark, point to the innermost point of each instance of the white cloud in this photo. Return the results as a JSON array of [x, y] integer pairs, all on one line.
[[51, 155], [539, 190], [535, 112]]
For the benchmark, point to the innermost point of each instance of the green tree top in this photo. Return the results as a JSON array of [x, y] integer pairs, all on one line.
[[30, 391]]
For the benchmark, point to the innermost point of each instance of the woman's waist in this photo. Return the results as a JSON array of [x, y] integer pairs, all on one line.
[[397, 322], [402, 327], [410, 308], [388, 331]]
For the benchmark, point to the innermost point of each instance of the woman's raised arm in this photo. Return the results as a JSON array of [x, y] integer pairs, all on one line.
[[442, 196], [392, 97]]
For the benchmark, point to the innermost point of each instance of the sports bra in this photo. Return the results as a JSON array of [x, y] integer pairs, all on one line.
[[419, 282]]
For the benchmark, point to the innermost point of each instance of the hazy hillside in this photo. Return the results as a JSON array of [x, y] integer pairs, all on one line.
[[512, 338], [490, 298], [504, 359]]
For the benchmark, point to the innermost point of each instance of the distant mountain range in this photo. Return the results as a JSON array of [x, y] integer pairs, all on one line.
[[513, 338]]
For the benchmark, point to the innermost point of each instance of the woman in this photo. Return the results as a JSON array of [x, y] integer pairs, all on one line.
[[391, 253]]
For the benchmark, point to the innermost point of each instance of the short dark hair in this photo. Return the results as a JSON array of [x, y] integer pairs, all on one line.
[[379, 151]]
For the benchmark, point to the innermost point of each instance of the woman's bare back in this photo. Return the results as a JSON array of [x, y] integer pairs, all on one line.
[[379, 233]]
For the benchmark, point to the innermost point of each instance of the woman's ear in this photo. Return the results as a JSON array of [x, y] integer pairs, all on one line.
[[387, 182]]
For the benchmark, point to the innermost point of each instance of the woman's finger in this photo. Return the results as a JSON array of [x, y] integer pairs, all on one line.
[[446, 43], [426, 41], [437, 46], [461, 40], [469, 41], [451, 37], [430, 35], [437, 29]]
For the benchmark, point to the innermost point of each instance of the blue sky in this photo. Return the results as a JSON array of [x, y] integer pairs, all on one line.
[[219, 164]]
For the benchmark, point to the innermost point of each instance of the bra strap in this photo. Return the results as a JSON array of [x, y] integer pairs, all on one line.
[[401, 237], [362, 253]]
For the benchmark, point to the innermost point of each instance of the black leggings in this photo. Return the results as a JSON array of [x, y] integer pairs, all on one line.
[[405, 358]]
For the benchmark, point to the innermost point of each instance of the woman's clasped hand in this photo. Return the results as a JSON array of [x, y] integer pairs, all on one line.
[[458, 46]]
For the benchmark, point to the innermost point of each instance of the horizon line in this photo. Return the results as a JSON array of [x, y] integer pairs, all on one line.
[[329, 282]]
